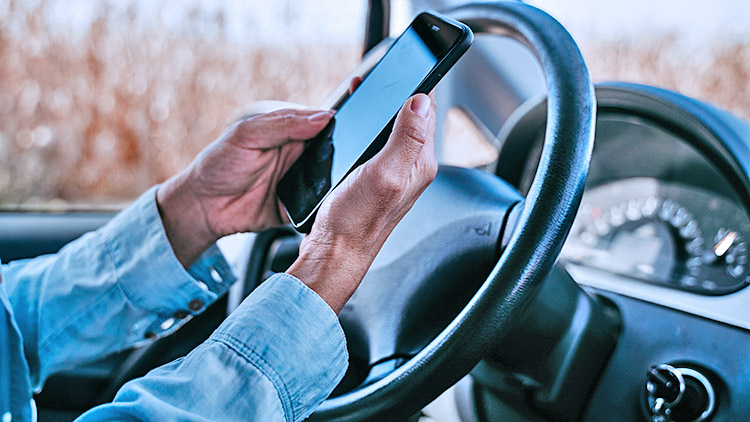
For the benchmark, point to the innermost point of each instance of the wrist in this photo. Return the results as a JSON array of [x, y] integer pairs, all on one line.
[[332, 270], [185, 221]]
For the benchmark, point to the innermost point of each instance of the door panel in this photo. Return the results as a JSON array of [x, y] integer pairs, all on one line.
[[26, 235]]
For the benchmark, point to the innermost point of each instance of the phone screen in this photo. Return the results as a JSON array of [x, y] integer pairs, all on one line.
[[348, 139]]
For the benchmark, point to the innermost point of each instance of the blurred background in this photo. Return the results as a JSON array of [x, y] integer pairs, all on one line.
[[700, 49], [101, 99]]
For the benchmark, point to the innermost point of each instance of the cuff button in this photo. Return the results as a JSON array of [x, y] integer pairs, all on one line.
[[195, 305], [180, 314], [150, 334], [215, 275]]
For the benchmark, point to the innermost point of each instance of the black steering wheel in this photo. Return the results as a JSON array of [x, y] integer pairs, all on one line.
[[463, 264]]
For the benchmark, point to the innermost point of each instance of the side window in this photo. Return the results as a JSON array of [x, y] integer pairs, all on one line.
[[101, 99], [465, 142]]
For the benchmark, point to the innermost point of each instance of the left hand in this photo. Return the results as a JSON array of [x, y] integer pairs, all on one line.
[[231, 186]]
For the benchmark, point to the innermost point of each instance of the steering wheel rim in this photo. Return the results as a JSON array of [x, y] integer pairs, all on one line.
[[541, 229]]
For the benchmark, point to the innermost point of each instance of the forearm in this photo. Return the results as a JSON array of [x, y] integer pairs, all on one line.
[[212, 383], [110, 289], [276, 357]]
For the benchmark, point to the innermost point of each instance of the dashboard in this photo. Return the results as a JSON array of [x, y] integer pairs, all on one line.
[[662, 235], [662, 218], [656, 209]]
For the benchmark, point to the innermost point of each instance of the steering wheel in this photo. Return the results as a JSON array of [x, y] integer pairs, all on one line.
[[422, 317], [459, 269]]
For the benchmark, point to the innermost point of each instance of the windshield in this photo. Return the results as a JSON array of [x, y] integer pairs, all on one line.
[[700, 49], [101, 99]]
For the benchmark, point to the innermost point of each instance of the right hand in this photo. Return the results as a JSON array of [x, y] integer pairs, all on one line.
[[354, 221]]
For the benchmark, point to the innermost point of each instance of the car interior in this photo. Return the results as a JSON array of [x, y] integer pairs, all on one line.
[[595, 269]]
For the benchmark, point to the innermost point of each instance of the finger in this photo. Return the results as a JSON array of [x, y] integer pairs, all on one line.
[[354, 84], [426, 166], [271, 130], [430, 144], [413, 130]]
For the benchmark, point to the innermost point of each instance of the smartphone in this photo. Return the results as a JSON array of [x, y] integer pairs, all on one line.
[[415, 63]]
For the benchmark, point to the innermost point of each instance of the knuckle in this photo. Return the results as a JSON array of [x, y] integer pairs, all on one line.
[[245, 124], [415, 135], [245, 129], [286, 117], [291, 117], [388, 184], [280, 112]]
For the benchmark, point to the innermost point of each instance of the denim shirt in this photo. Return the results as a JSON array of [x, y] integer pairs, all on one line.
[[276, 357]]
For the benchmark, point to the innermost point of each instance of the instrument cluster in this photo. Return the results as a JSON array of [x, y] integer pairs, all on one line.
[[662, 232]]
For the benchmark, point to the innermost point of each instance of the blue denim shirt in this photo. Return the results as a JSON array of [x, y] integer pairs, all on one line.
[[276, 357]]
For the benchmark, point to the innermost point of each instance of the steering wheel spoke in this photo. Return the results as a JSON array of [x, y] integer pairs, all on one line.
[[430, 266]]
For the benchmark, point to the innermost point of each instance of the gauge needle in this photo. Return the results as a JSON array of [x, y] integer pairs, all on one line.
[[724, 244]]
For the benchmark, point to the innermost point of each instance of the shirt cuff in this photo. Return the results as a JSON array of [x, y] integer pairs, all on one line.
[[291, 335], [148, 270]]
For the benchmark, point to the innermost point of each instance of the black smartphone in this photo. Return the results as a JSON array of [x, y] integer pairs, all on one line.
[[415, 63]]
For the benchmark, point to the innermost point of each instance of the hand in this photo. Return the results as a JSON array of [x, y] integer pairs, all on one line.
[[354, 221], [231, 186]]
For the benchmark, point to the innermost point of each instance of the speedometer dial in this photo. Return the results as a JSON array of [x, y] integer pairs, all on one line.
[[726, 259], [663, 233]]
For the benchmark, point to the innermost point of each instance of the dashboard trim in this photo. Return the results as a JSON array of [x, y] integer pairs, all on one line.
[[728, 309]]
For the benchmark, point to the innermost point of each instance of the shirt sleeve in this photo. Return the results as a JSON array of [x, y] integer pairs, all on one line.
[[111, 289], [276, 358]]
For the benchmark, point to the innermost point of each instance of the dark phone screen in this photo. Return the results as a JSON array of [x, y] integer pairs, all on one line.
[[362, 117]]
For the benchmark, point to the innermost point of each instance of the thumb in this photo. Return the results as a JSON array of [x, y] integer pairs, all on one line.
[[413, 129]]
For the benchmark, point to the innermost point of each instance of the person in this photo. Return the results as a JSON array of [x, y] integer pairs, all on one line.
[[282, 351]]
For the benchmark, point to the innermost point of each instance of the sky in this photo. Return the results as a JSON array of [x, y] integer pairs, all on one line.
[[693, 20], [342, 21], [270, 21]]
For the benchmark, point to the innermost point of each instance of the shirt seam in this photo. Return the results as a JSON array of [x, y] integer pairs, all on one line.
[[244, 351], [115, 263]]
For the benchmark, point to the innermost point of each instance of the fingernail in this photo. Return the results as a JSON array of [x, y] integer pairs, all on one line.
[[320, 116], [420, 104]]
